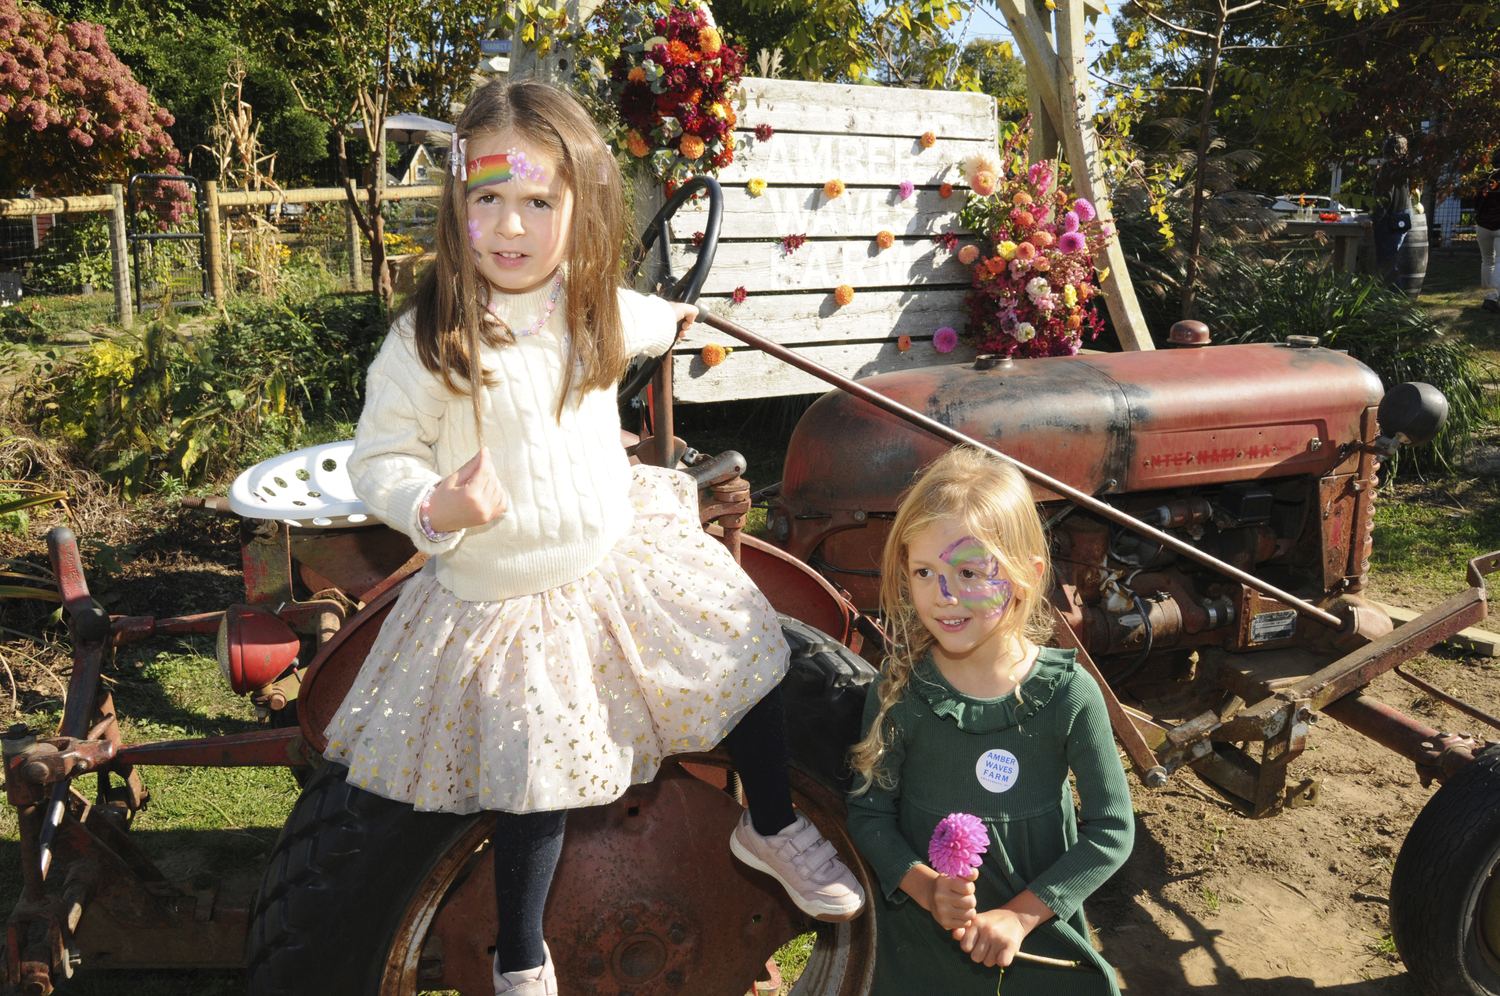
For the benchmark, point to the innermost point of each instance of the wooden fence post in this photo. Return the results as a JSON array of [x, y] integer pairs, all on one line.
[[215, 275], [119, 254], [356, 254]]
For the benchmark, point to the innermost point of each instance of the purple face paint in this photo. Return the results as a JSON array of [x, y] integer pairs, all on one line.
[[474, 233], [982, 592]]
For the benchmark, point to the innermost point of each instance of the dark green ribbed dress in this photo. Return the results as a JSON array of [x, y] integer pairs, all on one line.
[[1006, 762]]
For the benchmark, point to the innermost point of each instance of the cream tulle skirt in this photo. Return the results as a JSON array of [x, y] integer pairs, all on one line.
[[566, 697]]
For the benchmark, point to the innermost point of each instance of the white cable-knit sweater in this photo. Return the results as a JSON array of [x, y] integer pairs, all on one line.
[[567, 483]]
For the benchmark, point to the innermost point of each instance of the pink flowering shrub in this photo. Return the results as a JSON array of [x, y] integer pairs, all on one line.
[[72, 116], [1034, 291]]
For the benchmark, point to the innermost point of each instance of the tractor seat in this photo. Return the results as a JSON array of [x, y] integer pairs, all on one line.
[[307, 488]]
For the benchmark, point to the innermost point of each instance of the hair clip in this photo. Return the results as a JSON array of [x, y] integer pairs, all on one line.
[[458, 153]]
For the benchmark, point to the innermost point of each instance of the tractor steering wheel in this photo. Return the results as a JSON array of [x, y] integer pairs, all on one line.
[[687, 287]]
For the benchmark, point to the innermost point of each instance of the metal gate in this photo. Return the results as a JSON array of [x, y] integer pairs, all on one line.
[[137, 238]]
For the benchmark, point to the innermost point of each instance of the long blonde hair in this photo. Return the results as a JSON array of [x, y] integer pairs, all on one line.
[[996, 506], [450, 302]]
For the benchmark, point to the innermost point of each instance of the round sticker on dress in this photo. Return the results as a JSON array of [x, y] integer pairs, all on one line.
[[997, 770]]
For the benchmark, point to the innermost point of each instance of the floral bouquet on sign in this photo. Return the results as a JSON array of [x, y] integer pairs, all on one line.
[[673, 83], [1033, 292]]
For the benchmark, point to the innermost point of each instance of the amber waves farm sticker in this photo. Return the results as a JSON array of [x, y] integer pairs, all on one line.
[[997, 770]]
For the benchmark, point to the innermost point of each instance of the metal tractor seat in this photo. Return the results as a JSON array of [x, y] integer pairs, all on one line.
[[307, 488]]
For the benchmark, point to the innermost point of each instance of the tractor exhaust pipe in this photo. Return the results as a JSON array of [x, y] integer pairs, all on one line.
[[1035, 476]]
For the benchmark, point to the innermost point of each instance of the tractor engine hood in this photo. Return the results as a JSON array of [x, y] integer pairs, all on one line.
[[1105, 424]]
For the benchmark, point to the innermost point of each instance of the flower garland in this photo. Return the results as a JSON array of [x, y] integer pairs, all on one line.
[[1032, 296], [673, 84]]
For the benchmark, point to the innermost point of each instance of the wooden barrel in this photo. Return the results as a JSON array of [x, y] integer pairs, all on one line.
[[1411, 260]]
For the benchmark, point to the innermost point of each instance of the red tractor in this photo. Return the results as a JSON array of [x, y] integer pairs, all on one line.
[[1210, 512]]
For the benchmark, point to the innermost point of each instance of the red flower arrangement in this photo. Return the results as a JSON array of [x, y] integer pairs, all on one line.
[[1033, 288], [791, 243], [673, 83]]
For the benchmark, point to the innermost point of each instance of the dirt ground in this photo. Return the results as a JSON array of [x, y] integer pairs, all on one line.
[[1290, 905]]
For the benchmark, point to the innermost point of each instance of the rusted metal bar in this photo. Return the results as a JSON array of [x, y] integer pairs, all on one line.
[[1035, 476], [1150, 770], [1437, 755], [1442, 696], [256, 749]]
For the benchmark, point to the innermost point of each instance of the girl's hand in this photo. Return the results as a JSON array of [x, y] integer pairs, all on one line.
[[686, 315], [470, 496], [993, 938], [953, 902]]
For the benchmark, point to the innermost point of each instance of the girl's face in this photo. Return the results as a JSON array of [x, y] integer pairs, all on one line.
[[957, 589], [520, 212]]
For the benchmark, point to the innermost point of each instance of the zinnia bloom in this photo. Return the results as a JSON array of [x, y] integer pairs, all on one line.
[[1022, 199], [1026, 251], [1025, 332], [691, 147], [1024, 219], [709, 41], [903, 343], [944, 340], [983, 183], [946, 190], [885, 240], [1071, 242], [968, 254], [1006, 250], [679, 53], [763, 132], [1042, 240], [637, 144], [833, 188], [739, 295], [1086, 212], [713, 354], [928, 139], [1070, 295], [959, 838], [755, 186], [906, 189], [637, 75], [843, 294]]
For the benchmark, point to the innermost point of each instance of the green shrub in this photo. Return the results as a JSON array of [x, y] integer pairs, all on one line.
[[157, 403]]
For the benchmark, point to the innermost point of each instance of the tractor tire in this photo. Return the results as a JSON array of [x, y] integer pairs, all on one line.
[[357, 881], [1445, 890]]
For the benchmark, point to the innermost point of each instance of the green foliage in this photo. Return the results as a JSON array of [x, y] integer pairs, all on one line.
[[74, 253], [159, 402]]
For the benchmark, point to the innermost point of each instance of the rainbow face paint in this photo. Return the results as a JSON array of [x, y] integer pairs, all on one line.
[[983, 593], [511, 165]]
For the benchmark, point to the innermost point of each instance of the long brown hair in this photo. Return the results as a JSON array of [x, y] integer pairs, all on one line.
[[996, 506], [449, 306]]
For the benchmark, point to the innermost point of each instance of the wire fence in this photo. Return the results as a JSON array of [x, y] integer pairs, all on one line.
[[264, 243]]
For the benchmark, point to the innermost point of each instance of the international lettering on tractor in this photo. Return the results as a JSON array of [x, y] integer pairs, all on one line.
[[1210, 514]]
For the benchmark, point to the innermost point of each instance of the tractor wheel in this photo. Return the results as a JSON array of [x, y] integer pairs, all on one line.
[[367, 897], [1445, 891]]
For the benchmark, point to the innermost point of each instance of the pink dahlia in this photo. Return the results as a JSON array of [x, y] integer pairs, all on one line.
[[1071, 242], [1070, 221], [959, 839], [1085, 209], [906, 189], [943, 341]]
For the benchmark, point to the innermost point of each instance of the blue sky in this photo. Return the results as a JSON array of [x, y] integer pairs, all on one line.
[[987, 22]]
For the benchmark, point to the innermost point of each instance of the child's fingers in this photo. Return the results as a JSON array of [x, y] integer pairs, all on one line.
[[465, 474]]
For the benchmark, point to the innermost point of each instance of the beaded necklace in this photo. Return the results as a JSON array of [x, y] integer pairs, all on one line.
[[541, 320]]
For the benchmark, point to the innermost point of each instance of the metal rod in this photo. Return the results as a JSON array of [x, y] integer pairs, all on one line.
[[1035, 476], [1442, 696]]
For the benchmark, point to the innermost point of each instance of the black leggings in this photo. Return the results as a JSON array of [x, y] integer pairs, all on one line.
[[527, 845]]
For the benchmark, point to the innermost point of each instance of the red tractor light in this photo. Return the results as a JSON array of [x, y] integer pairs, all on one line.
[[255, 647]]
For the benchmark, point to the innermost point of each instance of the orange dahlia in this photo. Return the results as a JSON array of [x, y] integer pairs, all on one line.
[[903, 343], [638, 146], [885, 240], [946, 190], [833, 188], [691, 147], [928, 139], [709, 41], [843, 294], [713, 354]]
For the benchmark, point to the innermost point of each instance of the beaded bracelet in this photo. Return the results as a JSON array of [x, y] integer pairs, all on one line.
[[426, 523]]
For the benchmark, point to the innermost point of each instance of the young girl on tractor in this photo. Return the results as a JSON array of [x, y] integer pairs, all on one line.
[[575, 624], [972, 715]]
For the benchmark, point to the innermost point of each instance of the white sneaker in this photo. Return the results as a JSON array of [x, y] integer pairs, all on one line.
[[532, 982], [805, 864]]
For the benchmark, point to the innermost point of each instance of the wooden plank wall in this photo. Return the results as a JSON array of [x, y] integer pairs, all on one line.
[[868, 137]]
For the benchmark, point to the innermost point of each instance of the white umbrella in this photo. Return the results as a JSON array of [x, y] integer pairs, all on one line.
[[407, 128]]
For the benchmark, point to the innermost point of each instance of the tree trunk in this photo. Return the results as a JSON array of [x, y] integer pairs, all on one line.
[[380, 271], [1205, 122]]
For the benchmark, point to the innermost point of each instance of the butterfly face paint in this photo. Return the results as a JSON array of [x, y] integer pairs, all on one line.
[[975, 585], [511, 165]]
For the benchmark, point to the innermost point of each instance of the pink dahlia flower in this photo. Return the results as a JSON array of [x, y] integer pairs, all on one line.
[[1085, 209], [906, 189], [1070, 221], [943, 341], [959, 839], [1071, 242]]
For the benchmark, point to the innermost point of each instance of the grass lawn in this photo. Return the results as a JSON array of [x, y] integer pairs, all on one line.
[[1452, 294]]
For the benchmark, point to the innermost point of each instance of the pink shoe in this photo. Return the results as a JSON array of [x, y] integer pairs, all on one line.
[[532, 982], [805, 864]]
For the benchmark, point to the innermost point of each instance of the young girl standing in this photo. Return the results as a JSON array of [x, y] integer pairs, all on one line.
[[971, 715], [575, 624]]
